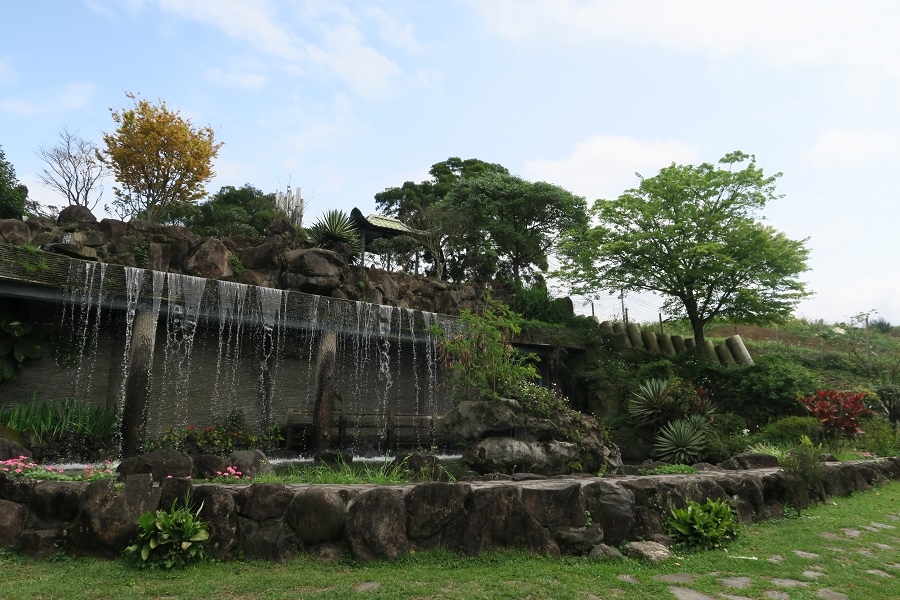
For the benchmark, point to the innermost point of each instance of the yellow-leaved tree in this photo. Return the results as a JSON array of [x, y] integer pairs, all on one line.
[[160, 161]]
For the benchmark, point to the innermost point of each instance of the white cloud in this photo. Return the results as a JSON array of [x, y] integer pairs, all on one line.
[[236, 78], [846, 147], [393, 30], [72, 96], [20, 107], [782, 34], [342, 50], [604, 165]]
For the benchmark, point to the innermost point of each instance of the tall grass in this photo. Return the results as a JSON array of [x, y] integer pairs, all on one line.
[[56, 419]]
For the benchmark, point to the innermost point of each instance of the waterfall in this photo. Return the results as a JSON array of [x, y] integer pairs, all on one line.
[[231, 297], [185, 295], [272, 312]]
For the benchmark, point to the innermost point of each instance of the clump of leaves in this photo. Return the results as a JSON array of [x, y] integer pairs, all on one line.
[[481, 360], [169, 539], [703, 526], [669, 470], [659, 400], [837, 412], [17, 344], [803, 472], [336, 231], [682, 440]]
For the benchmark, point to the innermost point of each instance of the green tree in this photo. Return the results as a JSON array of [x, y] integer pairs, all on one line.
[[520, 219], [690, 234], [160, 161], [13, 195], [419, 205], [232, 211]]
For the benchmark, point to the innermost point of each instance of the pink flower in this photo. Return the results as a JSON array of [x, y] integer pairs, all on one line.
[[169, 477]]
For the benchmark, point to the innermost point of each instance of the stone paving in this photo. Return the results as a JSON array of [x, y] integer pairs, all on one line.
[[781, 588]]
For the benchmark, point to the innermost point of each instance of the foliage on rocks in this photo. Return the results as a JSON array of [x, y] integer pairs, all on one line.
[[169, 539], [803, 472], [703, 526], [336, 231]]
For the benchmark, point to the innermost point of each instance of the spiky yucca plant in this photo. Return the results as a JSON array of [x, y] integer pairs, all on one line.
[[682, 441], [335, 231]]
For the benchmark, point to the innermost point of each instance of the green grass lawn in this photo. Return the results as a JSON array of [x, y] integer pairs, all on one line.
[[842, 563]]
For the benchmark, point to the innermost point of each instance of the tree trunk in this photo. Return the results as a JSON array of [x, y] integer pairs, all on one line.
[[324, 407], [137, 385]]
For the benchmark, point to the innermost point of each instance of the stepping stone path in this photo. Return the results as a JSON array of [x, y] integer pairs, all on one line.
[[808, 578]]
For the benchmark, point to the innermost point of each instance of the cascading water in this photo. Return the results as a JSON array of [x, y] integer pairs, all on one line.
[[272, 304], [229, 347], [185, 295], [231, 297]]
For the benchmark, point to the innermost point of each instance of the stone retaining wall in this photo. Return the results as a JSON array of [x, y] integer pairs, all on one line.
[[274, 522]]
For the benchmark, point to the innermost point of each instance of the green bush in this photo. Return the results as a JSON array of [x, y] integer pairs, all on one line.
[[703, 526], [535, 303], [789, 429], [767, 390], [481, 360], [336, 231], [669, 470], [728, 435], [803, 472], [169, 539], [880, 437]]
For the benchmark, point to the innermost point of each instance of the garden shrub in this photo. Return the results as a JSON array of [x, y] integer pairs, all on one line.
[[837, 412], [703, 526], [767, 390], [660, 401], [169, 539], [803, 471], [728, 435], [789, 429], [880, 437], [682, 441]]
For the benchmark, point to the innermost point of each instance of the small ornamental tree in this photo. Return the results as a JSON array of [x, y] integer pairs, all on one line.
[[837, 412], [160, 160]]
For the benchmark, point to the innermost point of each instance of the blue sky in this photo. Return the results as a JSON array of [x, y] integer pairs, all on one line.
[[346, 98]]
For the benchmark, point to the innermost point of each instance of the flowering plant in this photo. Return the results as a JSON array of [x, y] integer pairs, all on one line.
[[24, 466]]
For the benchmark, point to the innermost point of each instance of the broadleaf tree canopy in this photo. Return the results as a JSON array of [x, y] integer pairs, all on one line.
[[160, 161], [691, 234]]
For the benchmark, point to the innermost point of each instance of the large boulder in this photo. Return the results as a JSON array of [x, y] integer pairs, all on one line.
[[108, 519], [496, 518], [314, 262], [75, 213], [14, 231], [263, 501], [219, 510], [317, 515], [474, 420], [250, 463], [376, 525], [12, 522], [209, 261], [432, 506], [160, 464], [508, 455], [11, 444]]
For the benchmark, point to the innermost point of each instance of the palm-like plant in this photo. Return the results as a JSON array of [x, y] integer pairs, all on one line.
[[336, 231], [682, 441], [647, 405]]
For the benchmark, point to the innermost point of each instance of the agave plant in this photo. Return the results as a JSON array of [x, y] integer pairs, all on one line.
[[648, 403], [682, 441], [335, 231]]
